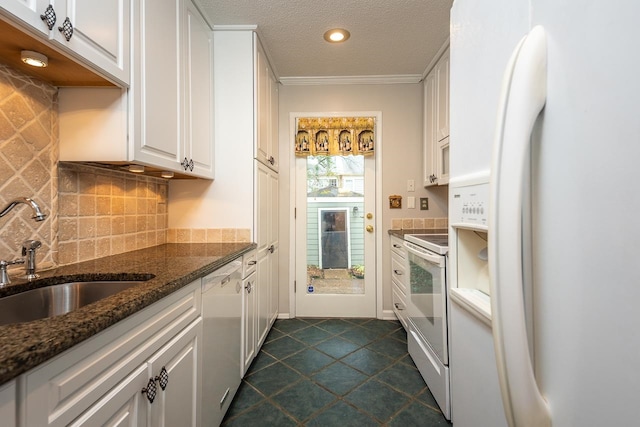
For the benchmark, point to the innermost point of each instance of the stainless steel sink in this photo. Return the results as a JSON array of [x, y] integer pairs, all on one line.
[[54, 300]]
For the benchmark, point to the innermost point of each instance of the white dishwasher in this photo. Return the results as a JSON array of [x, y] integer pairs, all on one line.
[[221, 312]]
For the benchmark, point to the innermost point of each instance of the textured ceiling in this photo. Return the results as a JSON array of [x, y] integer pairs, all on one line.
[[388, 37]]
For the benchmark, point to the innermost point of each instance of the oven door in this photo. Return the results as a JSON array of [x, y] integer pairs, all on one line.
[[427, 297]]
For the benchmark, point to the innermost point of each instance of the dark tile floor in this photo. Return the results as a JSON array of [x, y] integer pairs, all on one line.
[[334, 372]]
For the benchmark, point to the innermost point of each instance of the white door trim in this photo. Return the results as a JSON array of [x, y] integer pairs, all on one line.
[[378, 203]]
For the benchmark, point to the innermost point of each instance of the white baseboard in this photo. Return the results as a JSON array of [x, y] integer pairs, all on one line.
[[388, 315], [284, 316]]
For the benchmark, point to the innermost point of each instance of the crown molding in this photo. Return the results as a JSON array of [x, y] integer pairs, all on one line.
[[351, 80], [436, 58]]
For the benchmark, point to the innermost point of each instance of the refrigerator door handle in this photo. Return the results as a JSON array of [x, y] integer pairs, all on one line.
[[522, 98]]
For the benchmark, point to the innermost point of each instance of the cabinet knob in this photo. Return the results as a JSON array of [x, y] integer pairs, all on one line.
[[66, 29], [49, 17], [163, 378], [151, 390]]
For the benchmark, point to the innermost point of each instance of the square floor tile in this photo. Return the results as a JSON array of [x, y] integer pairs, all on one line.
[[399, 334], [377, 399], [407, 360], [335, 326], [382, 327], [308, 361], [389, 347], [427, 398], [342, 415], [262, 360], [360, 335], [339, 378], [417, 414], [273, 379], [245, 397], [262, 415], [367, 361], [358, 320], [403, 378], [273, 335], [337, 347], [313, 320], [290, 325], [283, 347], [303, 399], [311, 335]]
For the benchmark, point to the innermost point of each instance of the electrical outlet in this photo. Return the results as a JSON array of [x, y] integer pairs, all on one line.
[[411, 185], [424, 203]]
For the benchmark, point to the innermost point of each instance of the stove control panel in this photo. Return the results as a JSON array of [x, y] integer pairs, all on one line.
[[470, 206]]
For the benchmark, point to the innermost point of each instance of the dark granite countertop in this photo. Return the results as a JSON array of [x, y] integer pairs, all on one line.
[[401, 233], [25, 345]]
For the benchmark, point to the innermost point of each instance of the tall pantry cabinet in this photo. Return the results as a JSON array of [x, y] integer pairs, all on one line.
[[246, 134]]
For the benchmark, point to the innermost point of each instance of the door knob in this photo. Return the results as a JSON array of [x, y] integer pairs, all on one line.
[[369, 228]]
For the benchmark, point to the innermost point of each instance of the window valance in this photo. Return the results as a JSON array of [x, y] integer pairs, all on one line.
[[335, 136]]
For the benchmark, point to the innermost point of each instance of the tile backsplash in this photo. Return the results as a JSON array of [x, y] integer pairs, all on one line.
[[28, 157], [418, 223], [104, 212]]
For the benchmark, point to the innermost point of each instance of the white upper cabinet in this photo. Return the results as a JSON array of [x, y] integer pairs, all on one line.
[[436, 123], [198, 93], [165, 120], [442, 85], [95, 33], [266, 89]]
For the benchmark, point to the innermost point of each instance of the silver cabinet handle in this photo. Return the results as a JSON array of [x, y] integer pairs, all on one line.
[[398, 306], [395, 245], [252, 262], [271, 160], [398, 272], [248, 287], [271, 248]]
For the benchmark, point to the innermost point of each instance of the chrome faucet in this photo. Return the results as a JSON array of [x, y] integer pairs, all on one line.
[[37, 213], [4, 275], [29, 250]]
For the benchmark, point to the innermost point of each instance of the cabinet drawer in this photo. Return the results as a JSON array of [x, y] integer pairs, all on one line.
[[399, 271], [399, 305], [397, 247], [249, 263], [58, 391]]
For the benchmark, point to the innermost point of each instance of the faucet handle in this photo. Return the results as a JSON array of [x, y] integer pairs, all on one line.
[[4, 276]]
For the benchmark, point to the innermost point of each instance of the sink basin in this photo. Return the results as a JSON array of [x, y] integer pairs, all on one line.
[[54, 300]]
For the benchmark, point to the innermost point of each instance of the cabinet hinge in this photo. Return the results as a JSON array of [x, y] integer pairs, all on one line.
[[295, 285], [295, 213]]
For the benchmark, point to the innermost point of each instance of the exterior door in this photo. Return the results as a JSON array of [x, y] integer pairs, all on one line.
[[335, 254]]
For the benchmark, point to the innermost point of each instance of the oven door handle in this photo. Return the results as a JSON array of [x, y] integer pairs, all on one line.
[[424, 254]]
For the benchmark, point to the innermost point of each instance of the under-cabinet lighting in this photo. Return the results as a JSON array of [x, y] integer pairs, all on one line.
[[166, 174], [136, 168], [34, 59]]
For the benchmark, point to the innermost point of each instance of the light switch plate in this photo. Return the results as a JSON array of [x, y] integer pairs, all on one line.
[[411, 185], [411, 202]]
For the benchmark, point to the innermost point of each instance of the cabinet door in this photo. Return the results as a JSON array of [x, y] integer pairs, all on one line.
[[27, 13], [125, 405], [442, 77], [198, 91], [100, 34], [442, 157], [263, 104], [274, 255], [8, 404], [429, 111], [177, 404], [248, 322], [273, 121], [157, 110]]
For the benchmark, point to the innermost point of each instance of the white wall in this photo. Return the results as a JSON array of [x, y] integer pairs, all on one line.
[[401, 106]]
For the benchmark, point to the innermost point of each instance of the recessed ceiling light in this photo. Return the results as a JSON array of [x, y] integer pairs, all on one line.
[[34, 59], [337, 35]]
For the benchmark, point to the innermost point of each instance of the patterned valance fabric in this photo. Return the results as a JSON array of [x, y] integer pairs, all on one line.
[[335, 136]]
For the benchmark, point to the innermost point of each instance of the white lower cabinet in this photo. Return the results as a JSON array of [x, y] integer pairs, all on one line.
[[112, 378], [8, 404], [249, 320]]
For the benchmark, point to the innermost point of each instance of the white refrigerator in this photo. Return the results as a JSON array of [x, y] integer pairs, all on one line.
[[546, 136]]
